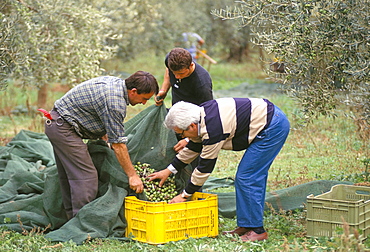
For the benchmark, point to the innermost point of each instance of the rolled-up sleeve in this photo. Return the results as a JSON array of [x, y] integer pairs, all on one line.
[[115, 113], [115, 127]]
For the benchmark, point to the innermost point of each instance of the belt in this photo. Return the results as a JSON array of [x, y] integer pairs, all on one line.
[[59, 121]]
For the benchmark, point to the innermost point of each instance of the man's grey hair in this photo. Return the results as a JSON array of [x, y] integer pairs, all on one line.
[[181, 115]]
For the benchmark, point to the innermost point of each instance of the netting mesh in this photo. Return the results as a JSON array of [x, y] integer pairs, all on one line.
[[149, 141]]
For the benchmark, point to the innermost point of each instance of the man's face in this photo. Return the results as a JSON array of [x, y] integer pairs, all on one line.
[[183, 73], [190, 132], [135, 98]]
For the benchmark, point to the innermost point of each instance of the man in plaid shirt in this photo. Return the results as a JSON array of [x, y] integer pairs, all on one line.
[[91, 110]]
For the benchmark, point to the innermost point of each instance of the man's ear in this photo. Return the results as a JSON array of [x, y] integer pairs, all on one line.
[[193, 125], [132, 91]]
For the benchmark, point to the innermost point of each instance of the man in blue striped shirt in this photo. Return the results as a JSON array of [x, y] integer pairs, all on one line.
[[91, 110], [251, 124]]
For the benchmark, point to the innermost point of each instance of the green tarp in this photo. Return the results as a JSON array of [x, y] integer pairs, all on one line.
[[29, 186], [30, 194]]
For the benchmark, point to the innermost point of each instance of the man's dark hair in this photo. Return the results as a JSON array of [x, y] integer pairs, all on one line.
[[144, 82], [179, 58]]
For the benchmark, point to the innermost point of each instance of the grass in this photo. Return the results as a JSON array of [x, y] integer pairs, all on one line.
[[326, 149], [286, 233]]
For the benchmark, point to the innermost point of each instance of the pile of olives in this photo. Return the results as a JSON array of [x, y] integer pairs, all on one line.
[[152, 190]]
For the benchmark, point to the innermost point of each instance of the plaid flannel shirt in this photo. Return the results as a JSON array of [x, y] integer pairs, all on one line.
[[96, 107]]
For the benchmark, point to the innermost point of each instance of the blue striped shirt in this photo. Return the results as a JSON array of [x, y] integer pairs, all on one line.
[[225, 123], [96, 107]]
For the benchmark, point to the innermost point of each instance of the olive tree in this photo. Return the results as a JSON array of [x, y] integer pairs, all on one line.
[[150, 25], [60, 40], [9, 46], [222, 39], [136, 24], [321, 49]]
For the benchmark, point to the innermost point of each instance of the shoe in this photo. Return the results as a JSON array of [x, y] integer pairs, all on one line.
[[253, 236], [239, 231]]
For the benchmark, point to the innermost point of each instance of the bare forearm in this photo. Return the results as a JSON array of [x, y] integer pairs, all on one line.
[[164, 89], [123, 157], [166, 81]]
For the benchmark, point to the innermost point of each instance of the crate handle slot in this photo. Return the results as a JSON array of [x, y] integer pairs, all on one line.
[[362, 192], [330, 206]]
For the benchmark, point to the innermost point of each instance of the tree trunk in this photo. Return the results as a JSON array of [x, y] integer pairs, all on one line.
[[262, 56], [42, 96]]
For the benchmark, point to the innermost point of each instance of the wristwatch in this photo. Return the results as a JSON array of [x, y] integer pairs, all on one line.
[[184, 196]]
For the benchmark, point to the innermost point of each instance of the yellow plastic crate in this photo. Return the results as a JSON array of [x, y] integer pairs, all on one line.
[[160, 222], [325, 211]]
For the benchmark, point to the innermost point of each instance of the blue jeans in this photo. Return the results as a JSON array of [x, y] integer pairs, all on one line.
[[252, 173]]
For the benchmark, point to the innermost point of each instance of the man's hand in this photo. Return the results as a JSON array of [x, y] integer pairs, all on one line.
[[136, 184], [104, 138], [162, 175], [121, 151], [160, 97], [180, 145], [166, 85], [177, 199]]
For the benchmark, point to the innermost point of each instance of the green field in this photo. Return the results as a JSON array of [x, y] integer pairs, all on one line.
[[327, 149]]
